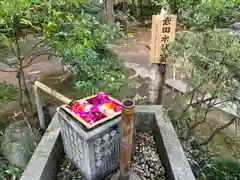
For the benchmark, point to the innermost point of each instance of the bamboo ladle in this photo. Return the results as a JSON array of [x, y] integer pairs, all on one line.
[[53, 92]]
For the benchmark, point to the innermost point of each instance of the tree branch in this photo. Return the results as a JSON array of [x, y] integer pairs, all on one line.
[[204, 117], [217, 130], [227, 100], [34, 57], [13, 51], [202, 101], [9, 71], [18, 55], [187, 107], [34, 47]]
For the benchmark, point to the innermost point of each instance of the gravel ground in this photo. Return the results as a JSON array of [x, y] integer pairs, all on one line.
[[146, 162]]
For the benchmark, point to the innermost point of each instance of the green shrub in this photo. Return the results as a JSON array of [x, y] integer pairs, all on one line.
[[7, 91], [213, 49], [210, 14], [205, 14], [221, 168], [214, 56], [74, 33], [82, 43], [7, 171], [83, 46], [200, 14]]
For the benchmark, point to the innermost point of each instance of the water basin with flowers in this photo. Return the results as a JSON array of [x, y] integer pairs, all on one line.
[[94, 110]]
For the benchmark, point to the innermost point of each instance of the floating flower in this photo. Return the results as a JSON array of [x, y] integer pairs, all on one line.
[[118, 107], [87, 117], [83, 102], [107, 108], [102, 95], [74, 106], [96, 108], [80, 108], [87, 108], [110, 105]]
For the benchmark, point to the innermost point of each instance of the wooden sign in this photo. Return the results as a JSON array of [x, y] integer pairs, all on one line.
[[163, 31]]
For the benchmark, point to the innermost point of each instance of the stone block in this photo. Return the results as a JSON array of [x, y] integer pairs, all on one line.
[[45, 161], [95, 152]]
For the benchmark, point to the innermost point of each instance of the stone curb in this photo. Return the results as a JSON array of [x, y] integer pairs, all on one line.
[[47, 156]]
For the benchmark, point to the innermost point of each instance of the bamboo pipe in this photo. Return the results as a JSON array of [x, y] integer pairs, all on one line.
[[52, 92], [126, 137]]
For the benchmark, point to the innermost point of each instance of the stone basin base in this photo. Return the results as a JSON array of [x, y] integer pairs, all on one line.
[[145, 162], [131, 176], [45, 161]]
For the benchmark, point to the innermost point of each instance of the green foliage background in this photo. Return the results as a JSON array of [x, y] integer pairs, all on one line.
[[73, 31], [201, 14], [214, 53], [204, 14]]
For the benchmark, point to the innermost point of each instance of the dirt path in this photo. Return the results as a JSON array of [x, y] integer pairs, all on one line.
[[42, 66], [133, 49]]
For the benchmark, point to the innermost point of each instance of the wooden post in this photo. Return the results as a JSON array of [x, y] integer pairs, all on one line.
[[162, 70], [154, 54], [154, 85], [39, 108], [163, 31], [126, 137], [169, 23]]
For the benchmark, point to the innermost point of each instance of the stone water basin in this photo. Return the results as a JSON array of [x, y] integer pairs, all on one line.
[[164, 146], [146, 161]]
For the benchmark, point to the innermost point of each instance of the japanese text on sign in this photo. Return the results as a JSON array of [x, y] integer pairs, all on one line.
[[166, 29], [163, 31]]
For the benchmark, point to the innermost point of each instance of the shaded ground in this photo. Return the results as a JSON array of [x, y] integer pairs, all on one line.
[[41, 67], [133, 49]]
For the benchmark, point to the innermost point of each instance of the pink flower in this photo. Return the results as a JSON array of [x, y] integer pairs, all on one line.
[[96, 108], [102, 95]]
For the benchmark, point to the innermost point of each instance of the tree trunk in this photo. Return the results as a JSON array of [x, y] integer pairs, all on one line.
[[134, 13], [109, 12]]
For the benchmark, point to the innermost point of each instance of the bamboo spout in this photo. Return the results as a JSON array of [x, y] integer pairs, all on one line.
[[52, 92], [126, 137]]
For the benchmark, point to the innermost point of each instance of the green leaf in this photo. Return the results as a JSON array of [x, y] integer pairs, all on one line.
[[26, 22], [6, 41], [7, 91]]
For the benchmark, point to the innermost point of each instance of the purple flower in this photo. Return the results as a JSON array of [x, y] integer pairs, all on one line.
[[102, 95]]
